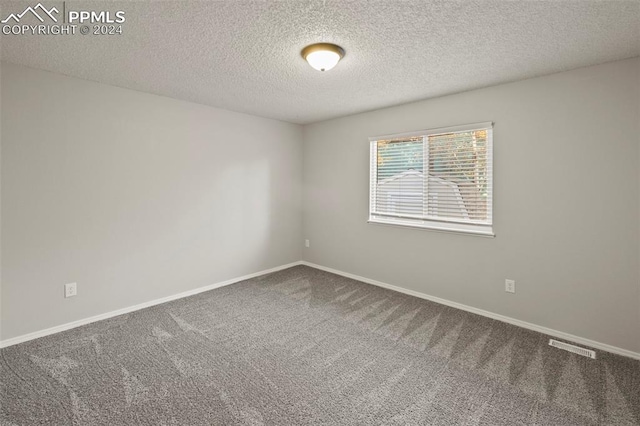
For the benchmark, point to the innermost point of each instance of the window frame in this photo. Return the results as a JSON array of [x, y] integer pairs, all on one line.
[[462, 227]]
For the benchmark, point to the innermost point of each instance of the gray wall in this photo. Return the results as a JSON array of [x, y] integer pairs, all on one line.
[[137, 197], [566, 208], [134, 197]]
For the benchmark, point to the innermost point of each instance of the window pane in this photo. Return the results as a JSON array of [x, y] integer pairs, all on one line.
[[399, 177], [458, 163]]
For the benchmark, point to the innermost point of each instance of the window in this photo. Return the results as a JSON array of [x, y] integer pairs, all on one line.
[[438, 179]]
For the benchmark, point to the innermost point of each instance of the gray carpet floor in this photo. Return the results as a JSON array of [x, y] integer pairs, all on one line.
[[303, 346]]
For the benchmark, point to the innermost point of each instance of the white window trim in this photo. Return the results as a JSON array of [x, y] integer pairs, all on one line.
[[433, 224]]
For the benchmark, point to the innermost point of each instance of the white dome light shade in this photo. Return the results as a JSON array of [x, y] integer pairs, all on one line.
[[323, 60], [323, 56]]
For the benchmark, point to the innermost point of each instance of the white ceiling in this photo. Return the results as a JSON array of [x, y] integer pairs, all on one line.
[[245, 55]]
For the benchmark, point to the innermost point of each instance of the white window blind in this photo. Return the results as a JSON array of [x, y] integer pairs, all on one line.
[[439, 179]]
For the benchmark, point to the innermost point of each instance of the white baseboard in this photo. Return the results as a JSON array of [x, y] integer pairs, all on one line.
[[519, 323], [78, 323]]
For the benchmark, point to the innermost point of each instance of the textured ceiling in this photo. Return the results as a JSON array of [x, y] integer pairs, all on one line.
[[245, 55]]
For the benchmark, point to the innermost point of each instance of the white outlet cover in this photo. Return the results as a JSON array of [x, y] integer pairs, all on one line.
[[510, 286], [70, 289]]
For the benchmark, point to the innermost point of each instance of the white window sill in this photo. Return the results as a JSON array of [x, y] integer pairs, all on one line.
[[444, 227]]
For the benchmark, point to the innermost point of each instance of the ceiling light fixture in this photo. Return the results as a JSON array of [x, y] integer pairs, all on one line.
[[323, 56]]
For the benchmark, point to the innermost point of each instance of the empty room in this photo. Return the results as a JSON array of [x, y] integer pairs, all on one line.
[[320, 212]]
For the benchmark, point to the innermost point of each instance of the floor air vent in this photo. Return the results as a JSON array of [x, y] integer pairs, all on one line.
[[571, 348]]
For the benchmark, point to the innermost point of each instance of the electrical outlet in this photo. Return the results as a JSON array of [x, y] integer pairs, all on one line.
[[70, 289], [307, 243], [510, 286]]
